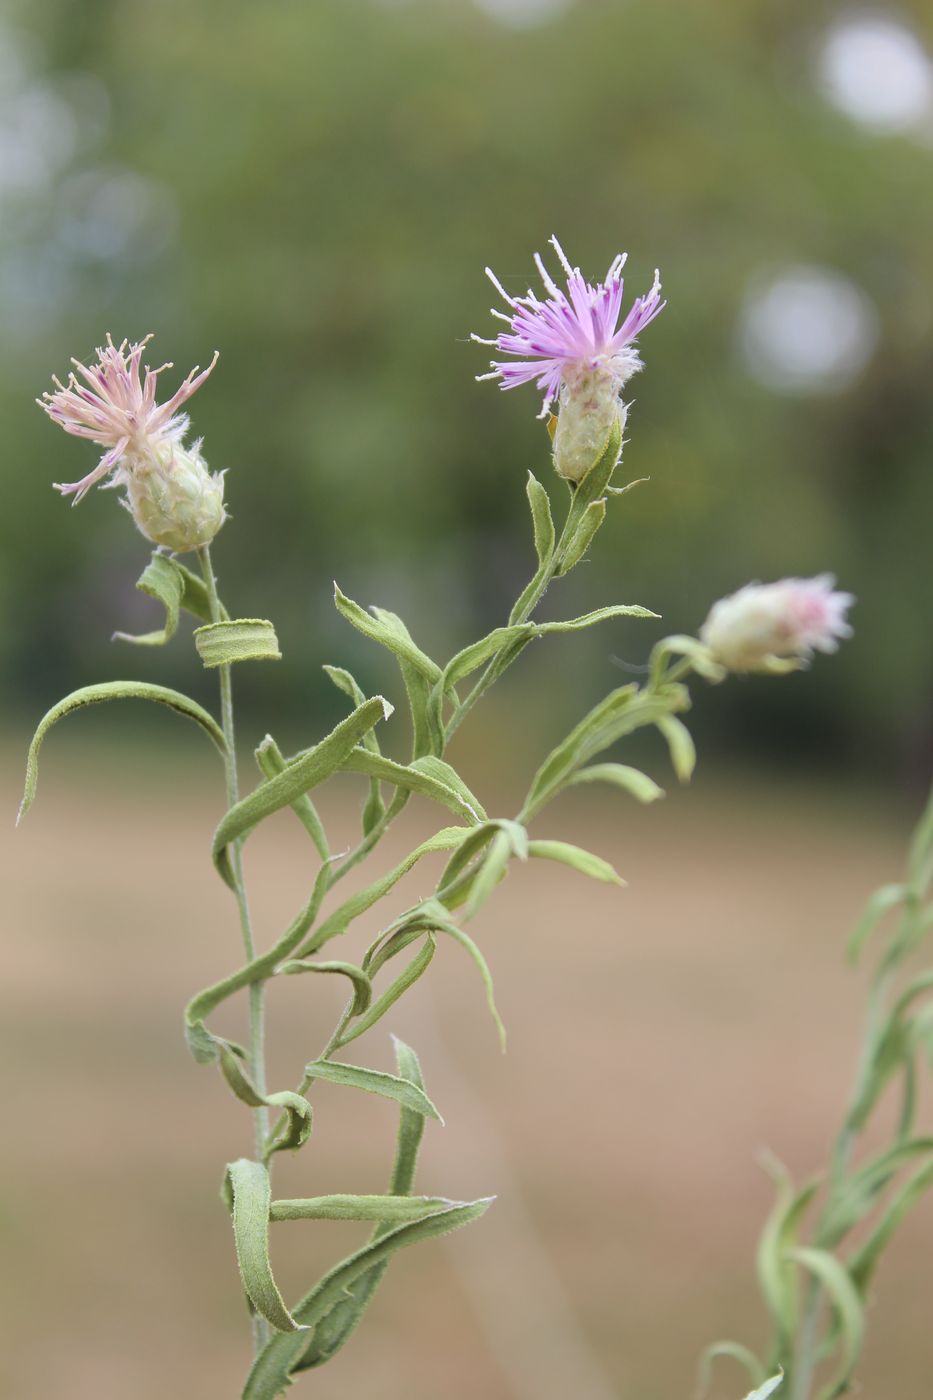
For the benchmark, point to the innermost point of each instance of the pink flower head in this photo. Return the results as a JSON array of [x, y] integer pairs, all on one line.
[[571, 333], [777, 626], [116, 408]]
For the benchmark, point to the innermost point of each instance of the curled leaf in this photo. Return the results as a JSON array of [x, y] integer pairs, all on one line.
[[113, 690], [175, 587], [248, 1195], [240, 639]]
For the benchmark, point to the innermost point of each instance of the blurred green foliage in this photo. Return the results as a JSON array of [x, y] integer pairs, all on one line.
[[321, 186]]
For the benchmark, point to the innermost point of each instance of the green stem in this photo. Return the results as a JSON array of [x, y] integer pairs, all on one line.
[[257, 989], [530, 600]]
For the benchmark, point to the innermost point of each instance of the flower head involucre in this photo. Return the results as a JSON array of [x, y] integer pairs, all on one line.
[[574, 349], [777, 626], [173, 498]]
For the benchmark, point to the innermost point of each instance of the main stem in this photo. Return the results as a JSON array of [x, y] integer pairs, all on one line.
[[256, 990]]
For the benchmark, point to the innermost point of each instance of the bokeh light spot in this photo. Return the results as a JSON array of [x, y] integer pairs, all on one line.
[[524, 14], [876, 71], [809, 330]]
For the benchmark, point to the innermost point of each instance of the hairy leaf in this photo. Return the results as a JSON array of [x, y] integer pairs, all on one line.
[[175, 587], [541, 519], [98, 694], [414, 969], [387, 629], [410, 779], [582, 537], [392, 1210], [296, 1124], [271, 763], [362, 986], [299, 776], [240, 639], [339, 921], [270, 1374], [249, 1196], [474, 656], [375, 1081]]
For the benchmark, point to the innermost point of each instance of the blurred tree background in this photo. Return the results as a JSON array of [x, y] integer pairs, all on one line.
[[314, 189]]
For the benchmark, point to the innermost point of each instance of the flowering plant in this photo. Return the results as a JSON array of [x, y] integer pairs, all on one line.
[[573, 346]]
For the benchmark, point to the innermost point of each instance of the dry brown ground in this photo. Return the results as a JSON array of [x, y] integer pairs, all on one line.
[[659, 1037]]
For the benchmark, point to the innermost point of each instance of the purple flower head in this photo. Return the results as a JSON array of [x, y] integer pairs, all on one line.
[[116, 408], [572, 333]]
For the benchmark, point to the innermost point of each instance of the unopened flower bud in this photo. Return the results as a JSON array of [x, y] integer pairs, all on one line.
[[589, 408], [175, 501], [777, 626], [574, 349]]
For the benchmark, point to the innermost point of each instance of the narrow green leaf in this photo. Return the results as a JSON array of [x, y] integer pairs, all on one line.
[[413, 970], [883, 900], [847, 1308], [457, 882], [239, 639], [271, 763], [296, 1125], [641, 787], [582, 537], [699, 656], [162, 581], [427, 730], [410, 779], [338, 1324], [175, 587], [736, 1352], [392, 1210], [494, 868], [375, 1081], [541, 518], [475, 655], [435, 917], [98, 694], [204, 1045], [348, 684], [862, 1189], [775, 1278], [387, 629], [620, 713], [298, 778], [339, 921], [680, 743], [442, 772], [249, 1196], [862, 1264], [269, 1377], [362, 986], [374, 809], [578, 858]]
